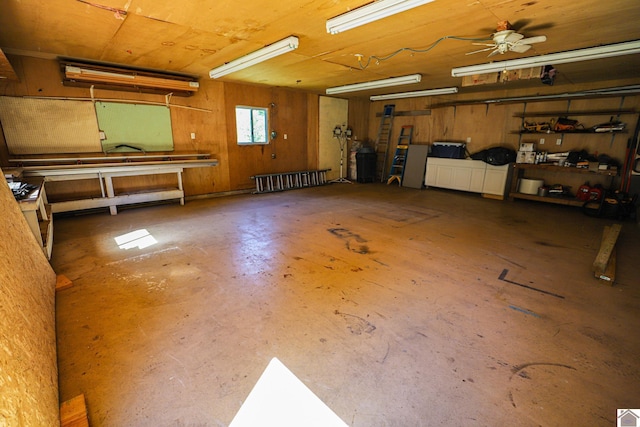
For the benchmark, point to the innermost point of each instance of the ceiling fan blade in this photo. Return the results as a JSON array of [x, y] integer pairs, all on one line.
[[513, 37], [484, 44], [478, 51], [520, 48], [495, 52], [532, 40]]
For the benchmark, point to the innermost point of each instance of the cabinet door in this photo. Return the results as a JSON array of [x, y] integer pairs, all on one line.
[[444, 176], [432, 174], [495, 180], [477, 180], [461, 178]]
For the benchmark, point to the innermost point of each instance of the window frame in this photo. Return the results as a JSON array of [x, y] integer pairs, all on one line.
[[251, 110]]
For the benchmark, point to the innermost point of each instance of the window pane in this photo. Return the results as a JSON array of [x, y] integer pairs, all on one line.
[[259, 125], [243, 125], [252, 125]]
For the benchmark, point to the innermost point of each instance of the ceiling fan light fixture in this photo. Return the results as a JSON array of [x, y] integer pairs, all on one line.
[[415, 94], [375, 84], [278, 48], [598, 52], [371, 12]]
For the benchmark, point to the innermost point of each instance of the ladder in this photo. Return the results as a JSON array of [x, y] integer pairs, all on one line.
[[272, 182], [382, 141], [396, 171]]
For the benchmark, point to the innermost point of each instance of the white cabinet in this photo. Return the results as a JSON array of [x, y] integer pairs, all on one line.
[[456, 174], [467, 175], [495, 180]]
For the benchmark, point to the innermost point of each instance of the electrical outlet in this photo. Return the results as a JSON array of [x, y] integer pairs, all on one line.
[[541, 141], [559, 141], [193, 135], [468, 139], [284, 136]]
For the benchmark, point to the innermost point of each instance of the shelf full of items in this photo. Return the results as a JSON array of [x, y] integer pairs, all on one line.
[[531, 162]]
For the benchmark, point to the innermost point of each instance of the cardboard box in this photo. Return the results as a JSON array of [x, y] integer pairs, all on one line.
[[530, 157], [527, 146]]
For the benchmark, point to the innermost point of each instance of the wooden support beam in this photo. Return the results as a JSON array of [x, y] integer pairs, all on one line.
[[605, 263], [73, 413], [609, 275]]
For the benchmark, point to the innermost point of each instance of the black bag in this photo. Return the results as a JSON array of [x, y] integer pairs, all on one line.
[[496, 156]]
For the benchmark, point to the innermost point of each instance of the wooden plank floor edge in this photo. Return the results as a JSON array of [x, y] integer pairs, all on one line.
[[73, 412], [63, 282]]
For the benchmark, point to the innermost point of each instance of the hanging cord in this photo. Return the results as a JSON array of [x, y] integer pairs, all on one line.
[[379, 59]]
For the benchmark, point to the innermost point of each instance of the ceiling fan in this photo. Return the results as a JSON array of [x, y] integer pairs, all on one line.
[[506, 39]]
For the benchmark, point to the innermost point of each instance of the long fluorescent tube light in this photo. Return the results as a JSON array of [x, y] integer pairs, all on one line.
[[598, 52], [376, 84], [416, 94], [369, 13], [127, 78], [267, 52]]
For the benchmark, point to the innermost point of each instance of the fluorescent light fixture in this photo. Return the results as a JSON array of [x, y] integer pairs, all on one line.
[[267, 52], [129, 78], [416, 94], [598, 52], [376, 84], [371, 12]]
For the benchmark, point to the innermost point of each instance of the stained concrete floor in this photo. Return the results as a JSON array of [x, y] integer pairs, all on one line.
[[395, 306]]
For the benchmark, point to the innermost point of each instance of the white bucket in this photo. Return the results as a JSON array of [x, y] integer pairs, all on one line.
[[530, 186]]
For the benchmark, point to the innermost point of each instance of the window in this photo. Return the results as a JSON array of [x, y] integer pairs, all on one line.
[[252, 125]]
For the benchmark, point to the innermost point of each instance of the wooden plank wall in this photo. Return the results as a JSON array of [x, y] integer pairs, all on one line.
[[292, 112], [28, 362], [495, 124], [287, 116], [295, 114]]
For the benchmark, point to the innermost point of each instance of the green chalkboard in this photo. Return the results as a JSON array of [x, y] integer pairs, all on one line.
[[145, 127]]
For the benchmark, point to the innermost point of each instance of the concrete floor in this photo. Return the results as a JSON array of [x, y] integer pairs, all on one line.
[[397, 307]]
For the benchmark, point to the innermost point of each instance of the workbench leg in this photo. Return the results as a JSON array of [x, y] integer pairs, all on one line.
[[180, 187], [113, 209]]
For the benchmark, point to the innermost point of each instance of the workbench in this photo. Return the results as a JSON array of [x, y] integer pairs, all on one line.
[[105, 173]]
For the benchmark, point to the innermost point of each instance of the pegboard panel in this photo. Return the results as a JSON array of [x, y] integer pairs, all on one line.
[[49, 126]]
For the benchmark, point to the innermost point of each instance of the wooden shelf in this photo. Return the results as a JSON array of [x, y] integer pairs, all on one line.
[[37, 212], [520, 169], [578, 132], [564, 169], [567, 201], [575, 113]]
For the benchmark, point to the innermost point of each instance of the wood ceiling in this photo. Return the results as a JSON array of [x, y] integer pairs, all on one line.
[[191, 37]]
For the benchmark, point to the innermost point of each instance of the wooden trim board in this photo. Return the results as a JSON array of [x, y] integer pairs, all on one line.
[[73, 413]]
